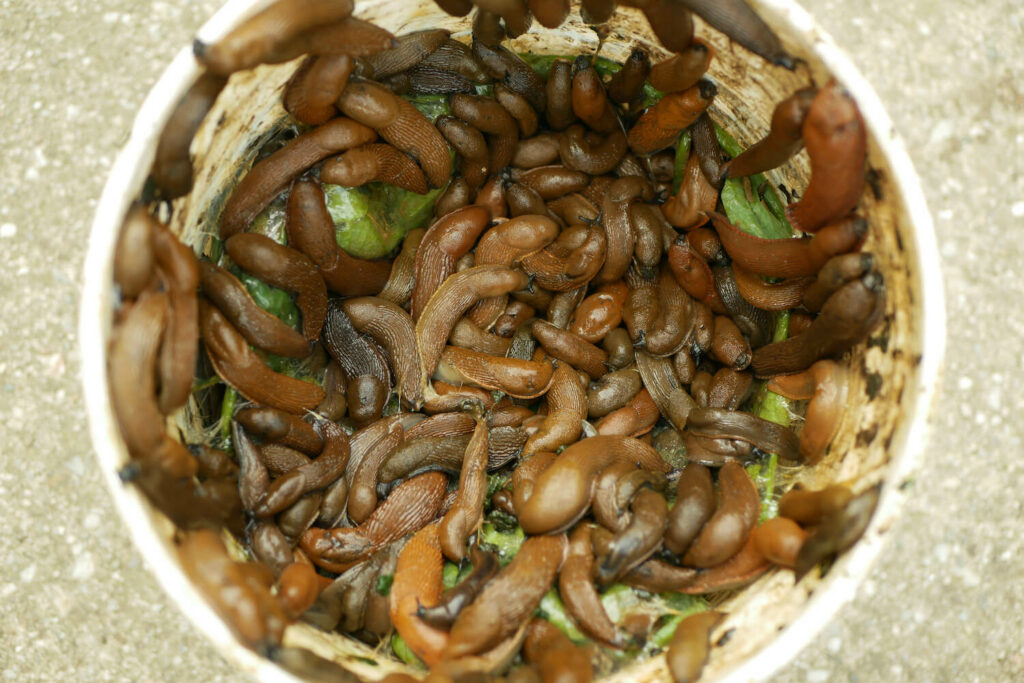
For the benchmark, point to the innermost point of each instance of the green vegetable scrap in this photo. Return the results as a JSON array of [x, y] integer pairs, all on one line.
[[682, 155], [767, 404], [227, 411], [505, 543], [384, 582], [553, 610], [392, 407], [502, 521], [618, 599], [681, 603], [370, 221], [450, 574], [775, 408], [542, 63], [312, 368], [496, 482], [430, 106], [761, 214], [763, 475], [679, 606], [402, 651], [272, 221], [275, 301]]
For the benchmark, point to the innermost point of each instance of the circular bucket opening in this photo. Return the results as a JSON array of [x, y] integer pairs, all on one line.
[[881, 433]]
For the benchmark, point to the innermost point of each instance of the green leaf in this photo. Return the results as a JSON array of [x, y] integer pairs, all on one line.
[[763, 475], [430, 106], [553, 609], [503, 522], [505, 544], [775, 408], [680, 606], [402, 651], [727, 142], [768, 405], [542, 63], [384, 582], [275, 301], [682, 603], [496, 482], [450, 574], [227, 411], [682, 156], [272, 221], [371, 220], [311, 369], [762, 213], [617, 600]]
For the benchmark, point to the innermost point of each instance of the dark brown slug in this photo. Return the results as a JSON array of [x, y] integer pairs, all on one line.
[[736, 19], [718, 423], [240, 367], [577, 590], [728, 528], [375, 163], [452, 299], [455, 599], [272, 175], [286, 268], [784, 138], [249, 43], [846, 319], [279, 427], [467, 513], [313, 90], [627, 83], [684, 69], [310, 229], [172, 167], [509, 598], [695, 503], [450, 237], [393, 329], [408, 129], [691, 643], [316, 474], [261, 329]]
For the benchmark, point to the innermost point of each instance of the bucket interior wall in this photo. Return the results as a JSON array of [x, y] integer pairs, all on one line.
[[885, 370]]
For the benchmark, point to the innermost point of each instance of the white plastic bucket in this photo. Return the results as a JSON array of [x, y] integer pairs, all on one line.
[[882, 435]]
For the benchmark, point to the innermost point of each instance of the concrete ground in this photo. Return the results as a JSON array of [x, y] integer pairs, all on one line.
[[945, 601]]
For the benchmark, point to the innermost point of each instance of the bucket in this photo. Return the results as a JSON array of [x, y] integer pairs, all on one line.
[[882, 433]]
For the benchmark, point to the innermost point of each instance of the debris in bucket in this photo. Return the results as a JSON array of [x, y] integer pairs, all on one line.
[[506, 358]]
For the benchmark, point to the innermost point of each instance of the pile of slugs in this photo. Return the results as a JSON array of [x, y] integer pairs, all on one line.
[[566, 380]]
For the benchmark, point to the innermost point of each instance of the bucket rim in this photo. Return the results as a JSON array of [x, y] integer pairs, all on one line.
[[95, 312]]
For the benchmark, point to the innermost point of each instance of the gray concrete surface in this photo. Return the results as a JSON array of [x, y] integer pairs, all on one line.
[[946, 598]]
